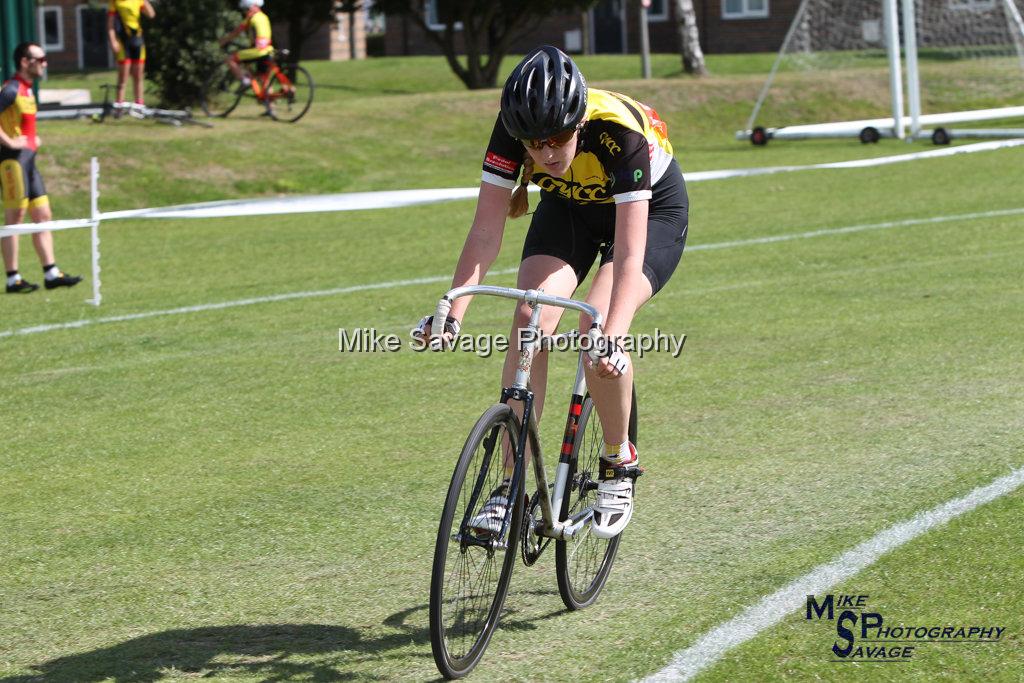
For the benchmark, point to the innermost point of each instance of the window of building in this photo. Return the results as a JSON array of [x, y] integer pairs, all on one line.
[[51, 28], [434, 22], [744, 9], [976, 5], [658, 11]]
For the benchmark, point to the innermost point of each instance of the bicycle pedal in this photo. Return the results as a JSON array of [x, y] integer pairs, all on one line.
[[608, 472]]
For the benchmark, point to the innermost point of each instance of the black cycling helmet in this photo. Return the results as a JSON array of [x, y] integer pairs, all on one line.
[[545, 95]]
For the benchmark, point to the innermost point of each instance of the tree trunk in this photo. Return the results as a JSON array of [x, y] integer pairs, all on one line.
[[689, 39]]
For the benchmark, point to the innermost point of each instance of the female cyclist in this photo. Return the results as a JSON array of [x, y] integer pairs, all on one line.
[[609, 188]]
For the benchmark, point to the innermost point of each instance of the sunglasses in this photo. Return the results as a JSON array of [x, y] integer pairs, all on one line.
[[555, 141], [42, 59]]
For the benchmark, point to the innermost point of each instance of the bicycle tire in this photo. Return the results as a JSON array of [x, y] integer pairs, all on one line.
[[584, 562], [291, 108], [221, 93], [458, 646]]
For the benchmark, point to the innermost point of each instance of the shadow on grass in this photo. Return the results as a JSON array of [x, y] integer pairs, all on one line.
[[272, 652]]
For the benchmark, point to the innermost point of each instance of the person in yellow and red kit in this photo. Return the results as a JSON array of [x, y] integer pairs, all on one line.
[[125, 35], [257, 25], [21, 186]]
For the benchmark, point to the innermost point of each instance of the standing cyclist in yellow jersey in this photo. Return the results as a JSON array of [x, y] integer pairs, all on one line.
[[125, 34], [611, 191], [257, 25], [20, 183]]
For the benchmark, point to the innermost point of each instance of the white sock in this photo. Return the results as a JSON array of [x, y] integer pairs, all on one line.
[[13, 279], [53, 272], [617, 453]]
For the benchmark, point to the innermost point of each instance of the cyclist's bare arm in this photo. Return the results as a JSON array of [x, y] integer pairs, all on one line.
[[483, 242], [629, 286], [237, 31], [148, 10], [115, 44]]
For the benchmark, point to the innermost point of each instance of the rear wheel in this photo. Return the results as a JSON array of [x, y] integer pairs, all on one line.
[[291, 96], [471, 570], [221, 93], [584, 562]]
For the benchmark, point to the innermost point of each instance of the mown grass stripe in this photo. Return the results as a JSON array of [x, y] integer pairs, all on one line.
[[773, 608], [199, 308]]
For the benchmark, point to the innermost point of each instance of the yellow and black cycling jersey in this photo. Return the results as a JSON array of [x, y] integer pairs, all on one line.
[[17, 114], [128, 12], [258, 29], [622, 152]]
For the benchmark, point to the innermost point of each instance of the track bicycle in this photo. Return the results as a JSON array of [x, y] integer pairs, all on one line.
[[280, 86], [472, 568]]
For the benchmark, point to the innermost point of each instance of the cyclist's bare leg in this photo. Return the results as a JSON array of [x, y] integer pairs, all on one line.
[[557, 278], [612, 395], [10, 244], [138, 69], [42, 241], [235, 67], [122, 80]]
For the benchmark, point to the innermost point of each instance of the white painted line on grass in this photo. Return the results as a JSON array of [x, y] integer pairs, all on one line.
[[238, 302], [442, 278], [390, 199], [772, 609], [857, 228]]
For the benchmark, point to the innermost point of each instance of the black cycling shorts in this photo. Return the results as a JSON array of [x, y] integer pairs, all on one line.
[[577, 234], [21, 186]]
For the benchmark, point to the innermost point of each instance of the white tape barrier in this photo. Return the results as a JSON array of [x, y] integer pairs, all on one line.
[[29, 228], [358, 201]]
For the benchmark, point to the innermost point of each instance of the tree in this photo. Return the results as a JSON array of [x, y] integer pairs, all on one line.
[[488, 29], [689, 39], [305, 18], [181, 46]]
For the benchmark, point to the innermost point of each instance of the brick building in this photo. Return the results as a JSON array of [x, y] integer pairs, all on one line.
[[613, 26], [74, 35]]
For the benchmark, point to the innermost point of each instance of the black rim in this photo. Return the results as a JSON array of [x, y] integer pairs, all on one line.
[[221, 94], [293, 106], [584, 562], [470, 577]]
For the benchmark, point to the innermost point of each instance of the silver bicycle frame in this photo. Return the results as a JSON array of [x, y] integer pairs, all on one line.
[[535, 299]]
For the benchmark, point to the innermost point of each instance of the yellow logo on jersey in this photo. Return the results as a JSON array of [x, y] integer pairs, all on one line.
[[609, 142]]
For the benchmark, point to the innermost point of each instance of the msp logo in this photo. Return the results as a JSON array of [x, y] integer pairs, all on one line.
[[863, 636]]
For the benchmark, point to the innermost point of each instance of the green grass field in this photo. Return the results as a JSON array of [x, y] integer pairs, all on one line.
[[222, 494]]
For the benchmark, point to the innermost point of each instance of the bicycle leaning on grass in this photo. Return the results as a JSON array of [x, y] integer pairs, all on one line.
[[472, 565], [282, 88]]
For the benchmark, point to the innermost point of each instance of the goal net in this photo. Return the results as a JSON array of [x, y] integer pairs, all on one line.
[[857, 61]]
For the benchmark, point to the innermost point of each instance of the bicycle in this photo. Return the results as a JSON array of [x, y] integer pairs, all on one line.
[[282, 88], [472, 569]]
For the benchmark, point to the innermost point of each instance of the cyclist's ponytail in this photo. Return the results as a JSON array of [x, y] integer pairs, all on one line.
[[520, 200]]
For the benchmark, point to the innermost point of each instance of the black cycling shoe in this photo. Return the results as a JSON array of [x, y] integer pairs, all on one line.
[[21, 287], [62, 280]]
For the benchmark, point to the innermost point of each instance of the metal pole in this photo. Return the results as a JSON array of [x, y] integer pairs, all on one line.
[[913, 81], [892, 46], [94, 193], [645, 42]]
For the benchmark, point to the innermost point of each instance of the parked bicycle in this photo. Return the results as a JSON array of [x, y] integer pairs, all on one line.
[[472, 565], [282, 88]]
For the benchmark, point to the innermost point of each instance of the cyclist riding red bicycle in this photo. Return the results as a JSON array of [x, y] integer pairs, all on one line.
[[610, 188], [257, 25]]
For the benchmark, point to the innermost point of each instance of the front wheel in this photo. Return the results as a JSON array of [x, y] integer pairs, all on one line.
[[584, 562], [290, 93], [472, 567], [221, 92]]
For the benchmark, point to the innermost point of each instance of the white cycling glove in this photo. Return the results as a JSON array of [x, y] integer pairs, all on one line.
[[607, 347], [451, 326]]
